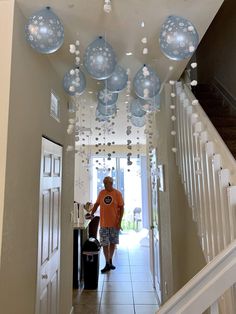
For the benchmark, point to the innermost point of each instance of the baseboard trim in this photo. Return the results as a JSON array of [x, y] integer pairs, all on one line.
[[72, 310], [224, 92]]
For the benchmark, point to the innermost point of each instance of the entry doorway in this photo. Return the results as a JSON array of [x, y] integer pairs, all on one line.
[[128, 179]]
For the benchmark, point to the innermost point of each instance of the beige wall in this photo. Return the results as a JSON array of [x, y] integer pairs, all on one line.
[[180, 247], [83, 178], [6, 28], [32, 78]]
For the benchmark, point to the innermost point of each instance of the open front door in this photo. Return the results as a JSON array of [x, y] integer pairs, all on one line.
[[48, 279]]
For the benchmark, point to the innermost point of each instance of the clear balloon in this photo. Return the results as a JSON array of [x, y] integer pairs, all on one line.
[[106, 97], [136, 108], [100, 59], [151, 105], [107, 110], [118, 80], [146, 83], [138, 121], [44, 31], [74, 82], [178, 38]]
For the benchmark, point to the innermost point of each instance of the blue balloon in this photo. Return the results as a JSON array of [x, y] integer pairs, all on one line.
[[100, 117], [118, 80], [178, 38], [106, 97], [44, 31], [107, 110], [146, 83], [100, 59], [138, 121], [151, 105], [136, 108], [74, 82]]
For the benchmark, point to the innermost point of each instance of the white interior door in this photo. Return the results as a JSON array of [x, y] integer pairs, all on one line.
[[48, 279]]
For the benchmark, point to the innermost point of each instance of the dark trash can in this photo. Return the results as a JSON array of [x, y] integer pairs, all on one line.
[[91, 250]]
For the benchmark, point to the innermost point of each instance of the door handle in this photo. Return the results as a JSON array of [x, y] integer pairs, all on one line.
[[45, 276]]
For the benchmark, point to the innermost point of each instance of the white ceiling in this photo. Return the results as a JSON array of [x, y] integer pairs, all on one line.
[[85, 20]]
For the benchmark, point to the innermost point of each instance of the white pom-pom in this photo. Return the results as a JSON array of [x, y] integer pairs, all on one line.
[[77, 60], [71, 88], [77, 72], [172, 82], [72, 48], [174, 149], [171, 68], [145, 51], [77, 43], [194, 83], [191, 48], [173, 118], [72, 121], [146, 93], [107, 8], [194, 65], [144, 40], [69, 148], [195, 102], [173, 133], [77, 52], [172, 95], [72, 72]]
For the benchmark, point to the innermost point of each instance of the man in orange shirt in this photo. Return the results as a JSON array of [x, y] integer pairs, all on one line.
[[111, 212]]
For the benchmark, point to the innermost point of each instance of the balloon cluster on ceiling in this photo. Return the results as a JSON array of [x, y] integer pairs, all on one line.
[[178, 40]]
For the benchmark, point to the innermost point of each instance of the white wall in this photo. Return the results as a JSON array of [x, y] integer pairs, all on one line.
[[32, 78], [6, 28]]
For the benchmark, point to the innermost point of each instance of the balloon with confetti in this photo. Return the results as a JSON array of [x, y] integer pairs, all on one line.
[[152, 104], [44, 31], [106, 97], [178, 38], [136, 108], [74, 82], [100, 59], [118, 80], [146, 83]]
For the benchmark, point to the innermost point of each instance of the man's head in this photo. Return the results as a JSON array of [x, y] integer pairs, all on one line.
[[108, 183]]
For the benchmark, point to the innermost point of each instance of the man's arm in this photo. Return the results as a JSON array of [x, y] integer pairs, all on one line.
[[120, 216]]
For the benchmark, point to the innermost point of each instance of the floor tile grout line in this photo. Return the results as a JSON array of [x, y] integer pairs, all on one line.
[[131, 282]]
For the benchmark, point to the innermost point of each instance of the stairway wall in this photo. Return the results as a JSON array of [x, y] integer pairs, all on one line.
[[216, 52], [181, 253]]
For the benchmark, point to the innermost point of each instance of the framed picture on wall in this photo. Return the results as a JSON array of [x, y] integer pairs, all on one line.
[[161, 178], [55, 106]]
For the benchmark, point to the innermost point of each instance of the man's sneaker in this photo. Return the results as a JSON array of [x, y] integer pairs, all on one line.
[[106, 268]]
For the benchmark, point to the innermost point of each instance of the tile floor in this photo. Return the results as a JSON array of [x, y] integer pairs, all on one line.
[[127, 289]]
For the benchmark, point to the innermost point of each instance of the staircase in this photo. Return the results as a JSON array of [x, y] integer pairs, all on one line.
[[205, 156], [221, 113]]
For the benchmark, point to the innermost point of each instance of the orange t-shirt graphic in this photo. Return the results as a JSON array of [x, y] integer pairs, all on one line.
[[110, 203]]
